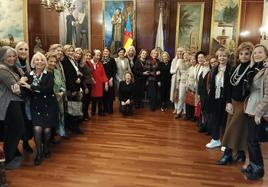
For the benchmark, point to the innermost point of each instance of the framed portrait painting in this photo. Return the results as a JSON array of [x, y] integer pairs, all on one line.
[[13, 22], [119, 23], [74, 24], [189, 26], [225, 25]]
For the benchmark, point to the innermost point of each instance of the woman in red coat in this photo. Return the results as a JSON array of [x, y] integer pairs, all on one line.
[[99, 78]]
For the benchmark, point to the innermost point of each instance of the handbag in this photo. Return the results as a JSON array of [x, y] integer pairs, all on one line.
[[74, 108], [197, 110], [176, 95], [190, 98]]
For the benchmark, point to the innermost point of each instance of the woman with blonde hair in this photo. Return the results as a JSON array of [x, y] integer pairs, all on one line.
[[256, 111], [73, 81], [173, 71], [219, 89], [131, 55], [23, 68], [153, 80], [235, 135], [44, 106], [59, 90]]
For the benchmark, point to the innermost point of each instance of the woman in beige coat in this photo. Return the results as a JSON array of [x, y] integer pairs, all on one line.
[[174, 70]]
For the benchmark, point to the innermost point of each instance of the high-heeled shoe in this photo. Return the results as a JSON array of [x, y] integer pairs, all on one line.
[[226, 158], [240, 157], [38, 159], [246, 170]]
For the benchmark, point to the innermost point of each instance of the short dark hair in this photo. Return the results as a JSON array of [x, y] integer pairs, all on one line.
[[199, 53]]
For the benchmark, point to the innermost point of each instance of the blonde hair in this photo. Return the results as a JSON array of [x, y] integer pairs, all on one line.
[[67, 47], [20, 44], [165, 53], [51, 54], [224, 50], [35, 56], [245, 45], [133, 48], [153, 51], [252, 62], [53, 47]]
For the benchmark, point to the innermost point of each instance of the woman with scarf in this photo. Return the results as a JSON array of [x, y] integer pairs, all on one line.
[[23, 68], [219, 91], [257, 111], [235, 135]]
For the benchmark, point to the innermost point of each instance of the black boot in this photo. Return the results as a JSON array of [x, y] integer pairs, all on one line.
[[240, 157], [257, 172], [47, 152], [38, 159], [27, 147], [226, 158]]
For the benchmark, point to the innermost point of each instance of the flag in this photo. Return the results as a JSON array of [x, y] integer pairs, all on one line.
[[128, 38], [159, 42]]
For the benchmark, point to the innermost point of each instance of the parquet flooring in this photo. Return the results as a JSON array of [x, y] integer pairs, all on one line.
[[148, 149]]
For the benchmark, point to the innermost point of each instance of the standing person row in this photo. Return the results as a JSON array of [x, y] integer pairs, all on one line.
[[44, 105], [11, 115]]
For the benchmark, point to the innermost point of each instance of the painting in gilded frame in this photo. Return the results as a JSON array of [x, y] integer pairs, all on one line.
[[74, 24], [13, 22], [115, 17], [225, 25], [189, 25]]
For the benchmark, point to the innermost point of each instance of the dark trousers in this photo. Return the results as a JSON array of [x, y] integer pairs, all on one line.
[[164, 94], [254, 149], [152, 94], [219, 118], [108, 99], [190, 111], [14, 129], [139, 92], [95, 101], [73, 122], [86, 100], [126, 109]]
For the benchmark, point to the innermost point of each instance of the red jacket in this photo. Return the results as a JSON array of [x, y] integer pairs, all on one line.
[[98, 73]]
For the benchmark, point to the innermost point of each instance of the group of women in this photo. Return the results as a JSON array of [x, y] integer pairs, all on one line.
[[229, 101], [226, 101]]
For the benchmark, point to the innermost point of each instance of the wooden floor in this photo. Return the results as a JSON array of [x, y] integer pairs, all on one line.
[[149, 149]]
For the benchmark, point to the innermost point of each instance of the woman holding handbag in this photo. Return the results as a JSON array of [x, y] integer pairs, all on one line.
[[235, 135], [190, 90], [256, 109]]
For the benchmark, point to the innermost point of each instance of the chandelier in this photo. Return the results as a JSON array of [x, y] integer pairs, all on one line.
[[57, 5]]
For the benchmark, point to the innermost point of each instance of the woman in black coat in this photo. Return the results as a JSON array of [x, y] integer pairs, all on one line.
[[125, 93], [44, 106], [165, 79], [140, 75], [152, 65], [219, 91], [23, 68], [110, 68], [73, 81]]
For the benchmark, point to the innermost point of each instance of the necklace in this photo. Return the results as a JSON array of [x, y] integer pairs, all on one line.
[[236, 78]]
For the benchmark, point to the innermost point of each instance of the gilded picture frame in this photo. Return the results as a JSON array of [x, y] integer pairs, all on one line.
[[13, 22], [225, 25], [114, 33], [189, 25]]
